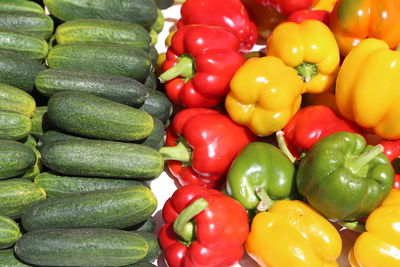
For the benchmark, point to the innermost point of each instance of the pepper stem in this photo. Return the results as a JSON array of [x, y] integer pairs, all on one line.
[[184, 68], [180, 152], [265, 201], [356, 164], [182, 225], [398, 47], [355, 226], [307, 71], [283, 147]]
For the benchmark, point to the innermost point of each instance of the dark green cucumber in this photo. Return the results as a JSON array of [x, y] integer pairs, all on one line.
[[164, 4], [99, 158], [147, 225], [7, 259], [14, 99], [81, 247], [9, 232], [14, 125], [157, 105], [116, 88], [143, 12], [20, 5], [15, 159], [154, 247], [17, 196], [52, 136], [153, 53], [111, 208], [108, 31], [34, 23], [33, 171], [157, 137], [92, 116], [57, 185], [102, 58], [22, 43], [18, 70], [39, 122], [151, 81]]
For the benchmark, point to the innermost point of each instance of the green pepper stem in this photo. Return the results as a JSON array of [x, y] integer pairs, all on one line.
[[265, 201], [398, 47], [356, 164], [182, 225], [283, 147], [180, 152], [355, 226], [307, 71], [184, 68]]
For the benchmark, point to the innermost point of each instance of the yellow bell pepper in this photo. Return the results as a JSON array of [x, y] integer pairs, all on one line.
[[368, 88], [291, 233], [327, 99], [310, 47], [324, 5], [380, 244], [264, 95]]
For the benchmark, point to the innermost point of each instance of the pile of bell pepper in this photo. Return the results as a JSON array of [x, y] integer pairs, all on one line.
[[275, 150]]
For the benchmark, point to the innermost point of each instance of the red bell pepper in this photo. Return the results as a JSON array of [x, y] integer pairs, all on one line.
[[201, 144], [287, 7], [301, 15], [392, 151], [201, 61], [203, 227], [230, 14]]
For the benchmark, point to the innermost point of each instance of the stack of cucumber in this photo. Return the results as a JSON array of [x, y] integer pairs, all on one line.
[[81, 123]]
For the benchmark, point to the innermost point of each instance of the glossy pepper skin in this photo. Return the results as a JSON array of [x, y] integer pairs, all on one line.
[[380, 244], [291, 233], [200, 64], [287, 7], [230, 14], [354, 21], [208, 140], [344, 179], [220, 231], [310, 48], [304, 14], [264, 95], [392, 151], [368, 88]]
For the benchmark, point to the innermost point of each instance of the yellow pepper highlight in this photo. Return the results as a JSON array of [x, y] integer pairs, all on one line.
[[380, 244], [368, 88], [324, 5], [293, 234], [311, 48], [264, 95]]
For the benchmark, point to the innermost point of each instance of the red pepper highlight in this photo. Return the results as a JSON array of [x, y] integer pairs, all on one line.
[[287, 7]]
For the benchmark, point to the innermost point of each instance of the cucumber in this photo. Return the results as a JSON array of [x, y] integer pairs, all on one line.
[[111, 208], [14, 99], [9, 232], [92, 116], [39, 121], [157, 137], [108, 31], [164, 4], [56, 185], [102, 58], [143, 12], [52, 136], [18, 70], [147, 225], [151, 81], [157, 105], [22, 43], [141, 263], [15, 159], [20, 5], [17, 196], [7, 259], [100, 158], [34, 23], [81, 247], [158, 25], [33, 171], [117, 88], [14, 125], [153, 246], [153, 53]]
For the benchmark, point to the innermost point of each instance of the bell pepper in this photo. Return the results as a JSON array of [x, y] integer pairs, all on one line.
[[201, 145], [304, 14], [230, 14], [203, 227], [353, 21], [325, 99], [327, 5], [310, 48], [343, 178], [312, 123], [380, 244], [264, 95], [368, 88], [291, 233], [287, 7], [200, 64], [392, 151]]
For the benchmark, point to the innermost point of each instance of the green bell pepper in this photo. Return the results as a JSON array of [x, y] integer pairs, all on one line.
[[264, 168], [343, 178]]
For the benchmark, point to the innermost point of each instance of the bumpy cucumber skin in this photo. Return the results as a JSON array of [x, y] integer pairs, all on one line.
[[81, 247], [14, 125], [157, 105], [39, 121], [112, 208], [20, 5], [52, 136], [157, 137], [146, 226], [15, 99], [164, 4], [9, 232], [154, 247], [7, 259], [15, 159]]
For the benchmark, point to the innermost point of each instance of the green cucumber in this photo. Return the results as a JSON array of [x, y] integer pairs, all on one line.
[[158, 25], [108, 31], [18, 70], [153, 246], [17, 196], [22, 43], [14, 125], [92, 116], [100, 158], [34, 23], [157, 137], [117, 88], [102, 58], [153, 53], [151, 81], [147, 225], [157, 105], [7, 259], [164, 4], [35, 170], [14, 99], [20, 5], [81, 247], [143, 12], [57, 185], [39, 121], [9, 232], [15, 159], [52, 136], [111, 208]]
